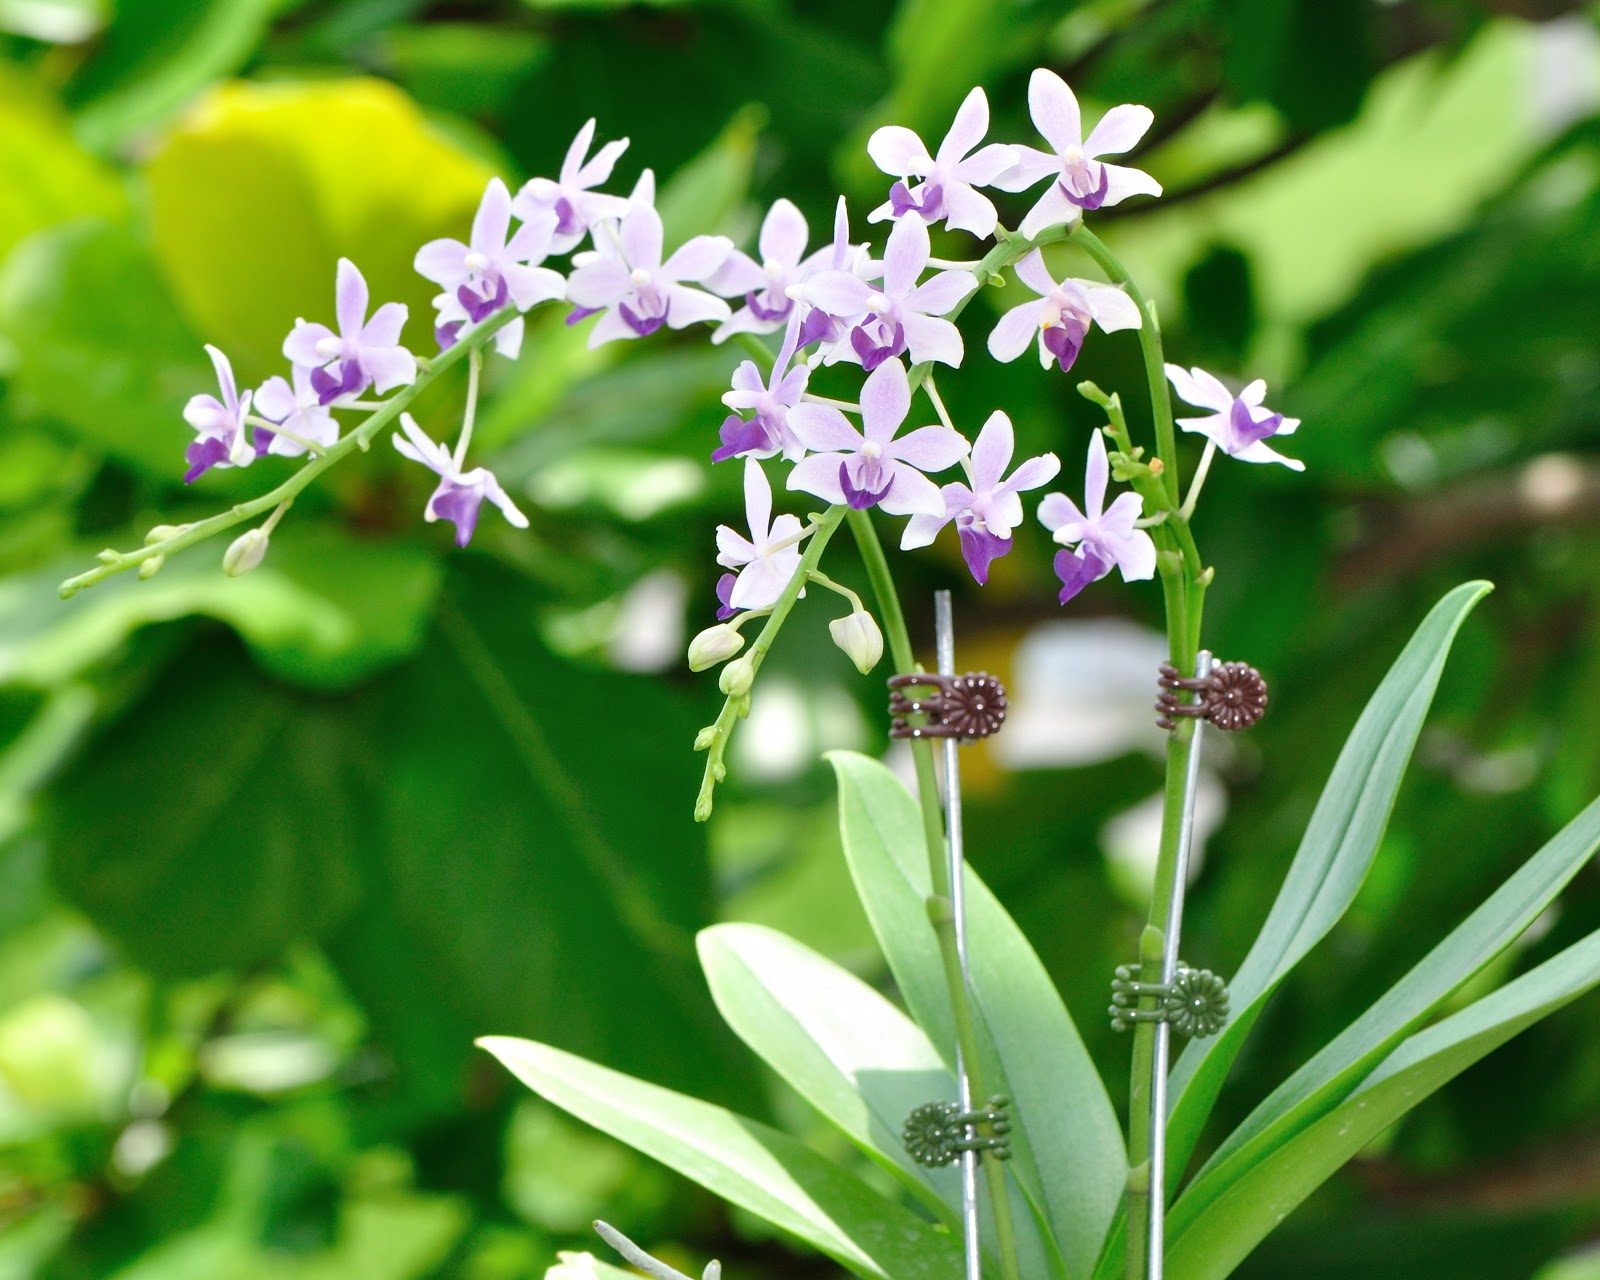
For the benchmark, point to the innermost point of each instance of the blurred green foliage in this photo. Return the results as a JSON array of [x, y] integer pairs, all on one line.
[[273, 850]]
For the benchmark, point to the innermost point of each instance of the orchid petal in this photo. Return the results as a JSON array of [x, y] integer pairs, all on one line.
[[1054, 109]]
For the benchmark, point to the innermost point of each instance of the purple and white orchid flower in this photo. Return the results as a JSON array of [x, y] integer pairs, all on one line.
[[460, 493], [766, 434], [1081, 180], [946, 193], [481, 277], [874, 467], [1061, 317], [764, 285], [1105, 536], [1238, 425], [569, 198], [903, 316], [298, 410], [767, 559], [220, 438], [838, 255], [626, 278], [364, 353], [990, 508]]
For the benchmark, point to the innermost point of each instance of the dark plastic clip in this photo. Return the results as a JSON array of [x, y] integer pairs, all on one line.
[[1195, 1004], [966, 707], [1232, 697], [937, 1133]]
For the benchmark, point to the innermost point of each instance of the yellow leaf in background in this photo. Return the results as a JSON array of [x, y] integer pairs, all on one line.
[[259, 192]]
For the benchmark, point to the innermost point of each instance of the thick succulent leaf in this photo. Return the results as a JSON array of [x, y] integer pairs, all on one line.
[[1210, 1244], [1334, 1073], [843, 1047], [1331, 863], [1069, 1157], [746, 1163]]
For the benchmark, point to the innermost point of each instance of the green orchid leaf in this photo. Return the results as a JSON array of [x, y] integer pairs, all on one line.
[[1210, 1243], [746, 1163], [1068, 1147]]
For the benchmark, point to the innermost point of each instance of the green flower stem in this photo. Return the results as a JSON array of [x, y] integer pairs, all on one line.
[[714, 738], [360, 437], [894, 626], [1150, 344]]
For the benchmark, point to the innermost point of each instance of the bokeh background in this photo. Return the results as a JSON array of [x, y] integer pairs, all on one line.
[[274, 849]]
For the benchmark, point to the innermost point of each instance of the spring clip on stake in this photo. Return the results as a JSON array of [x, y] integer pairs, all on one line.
[[960, 709]]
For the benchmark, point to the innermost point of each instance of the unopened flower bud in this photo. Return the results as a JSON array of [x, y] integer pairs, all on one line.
[[737, 677], [704, 739], [151, 567], [244, 553], [858, 635], [713, 645], [161, 532]]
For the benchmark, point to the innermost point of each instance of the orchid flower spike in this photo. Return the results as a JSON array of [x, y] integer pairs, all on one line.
[[492, 271], [363, 353], [764, 284], [1061, 316], [460, 493], [626, 278], [768, 558], [220, 439], [874, 467], [990, 508], [768, 432], [1081, 180], [575, 206], [946, 193], [1105, 536], [1238, 425]]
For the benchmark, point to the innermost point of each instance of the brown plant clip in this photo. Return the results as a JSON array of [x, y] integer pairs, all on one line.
[[1232, 697], [966, 707]]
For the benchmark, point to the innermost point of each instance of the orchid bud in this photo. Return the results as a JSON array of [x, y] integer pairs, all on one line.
[[713, 645], [737, 677], [704, 739], [151, 567], [244, 553], [858, 635]]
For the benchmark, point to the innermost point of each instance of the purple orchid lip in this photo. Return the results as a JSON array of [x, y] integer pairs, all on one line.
[[980, 548], [927, 201], [818, 326], [1065, 340], [262, 440], [446, 334], [352, 377], [1247, 430], [644, 326], [567, 220], [741, 437], [480, 305], [872, 354], [459, 505], [1090, 200], [725, 586], [860, 499], [765, 313], [578, 314], [1077, 570], [201, 456]]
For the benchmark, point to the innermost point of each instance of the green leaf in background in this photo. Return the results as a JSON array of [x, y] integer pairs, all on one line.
[[99, 348], [748, 1164], [49, 178], [263, 187], [1225, 1232], [215, 822], [843, 1047], [156, 55], [1068, 1145], [324, 610], [1339, 844]]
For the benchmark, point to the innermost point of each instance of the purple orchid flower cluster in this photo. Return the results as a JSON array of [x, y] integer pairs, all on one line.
[[834, 304]]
